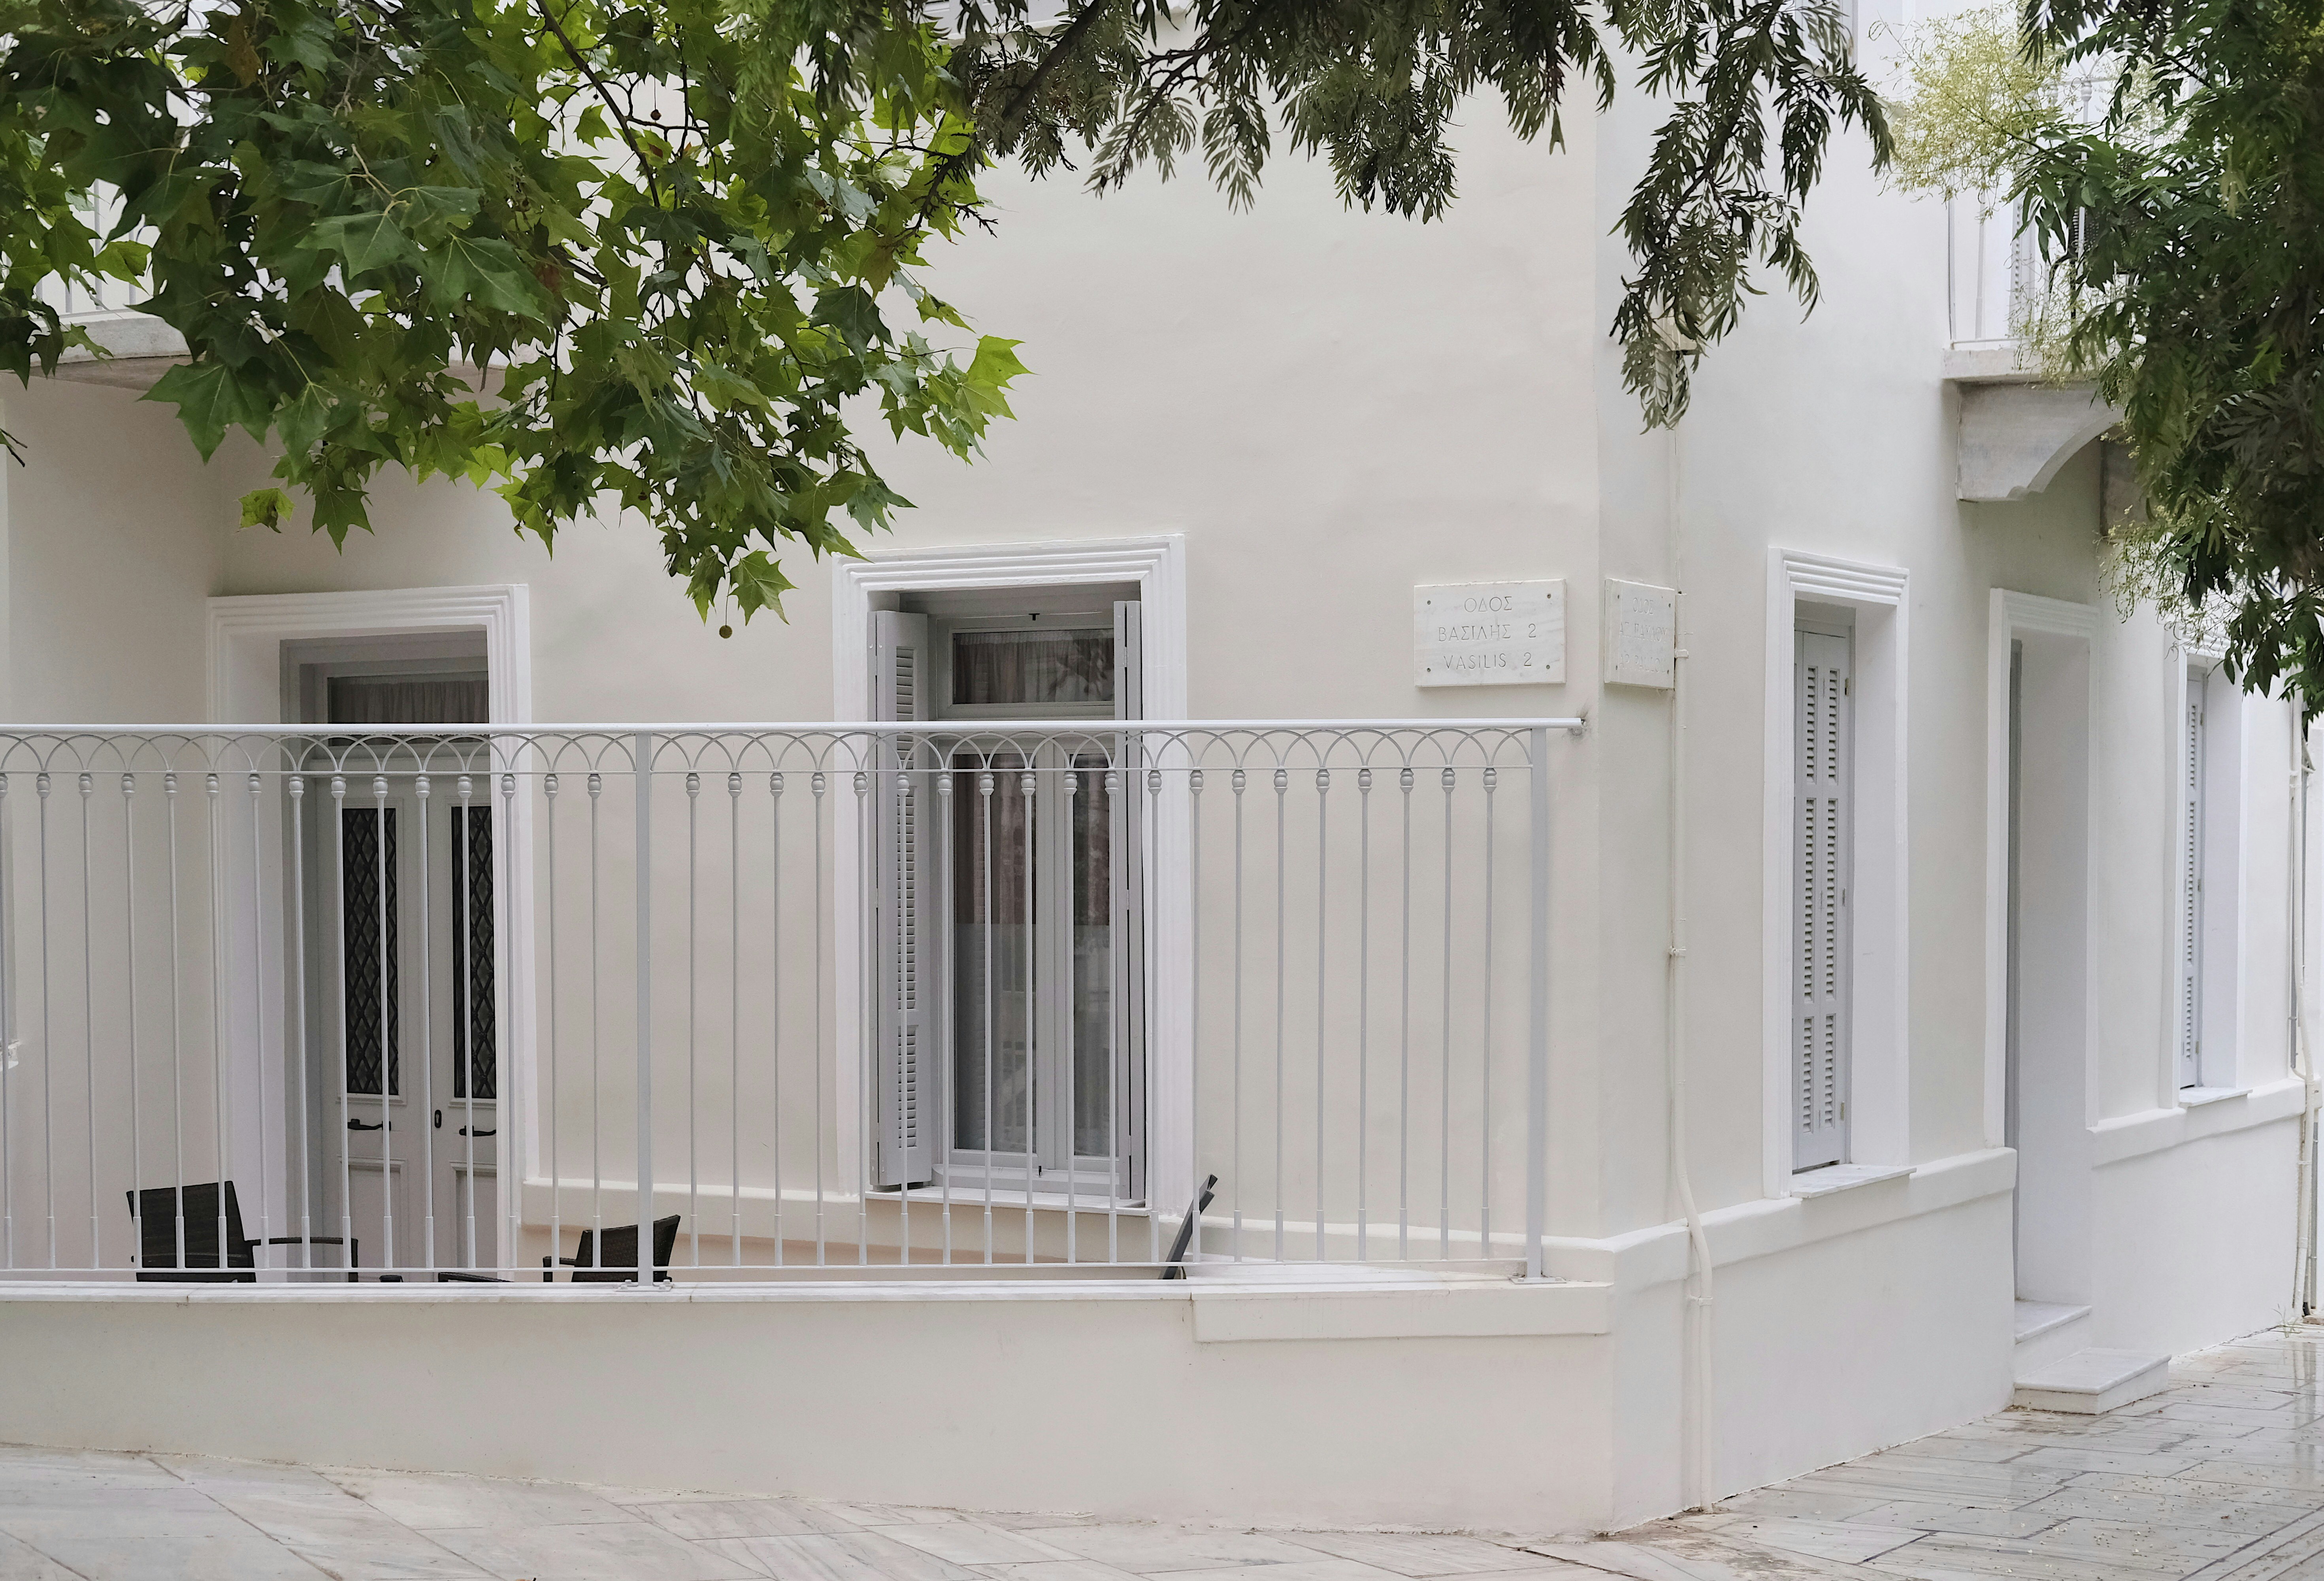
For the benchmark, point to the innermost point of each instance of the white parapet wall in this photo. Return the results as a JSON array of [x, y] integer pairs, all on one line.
[[1470, 1403]]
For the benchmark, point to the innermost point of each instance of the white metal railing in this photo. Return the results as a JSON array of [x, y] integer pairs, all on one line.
[[410, 1005]]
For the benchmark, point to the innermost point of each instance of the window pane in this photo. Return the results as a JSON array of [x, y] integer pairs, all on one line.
[[992, 880], [367, 916], [1032, 666], [472, 953], [1092, 1007]]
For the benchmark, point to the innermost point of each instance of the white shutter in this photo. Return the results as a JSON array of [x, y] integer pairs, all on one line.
[[907, 923], [1132, 806], [1823, 735], [2190, 890]]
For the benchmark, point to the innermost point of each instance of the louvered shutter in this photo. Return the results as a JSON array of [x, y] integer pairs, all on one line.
[[2190, 890], [905, 922], [1821, 716], [1133, 808]]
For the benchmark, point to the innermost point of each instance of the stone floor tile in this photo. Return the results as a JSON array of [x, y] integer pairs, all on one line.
[[596, 1550], [1809, 1503], [2015, 1557], [836, 1555], [1411, 1554], [1148, 1550], [1313, 1568], [1053, 1570], [1963, 1446], [21, 1561], [2305, 1477], [2050, 1458], [862, 1515], [1032, 1519], [1903, 1483], [427, 1500], [696, 1518], [2219, 1511], [240, 1555], [2238, 1416], [22, 1465], [2173, 1549], [1850, 1542], [1643, 1563], [2022, 1522], [972, 1542]]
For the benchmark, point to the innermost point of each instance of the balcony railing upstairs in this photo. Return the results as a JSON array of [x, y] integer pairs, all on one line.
[[306, 1005]]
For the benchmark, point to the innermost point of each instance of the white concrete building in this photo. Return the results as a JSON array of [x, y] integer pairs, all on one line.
[[1934, 937]]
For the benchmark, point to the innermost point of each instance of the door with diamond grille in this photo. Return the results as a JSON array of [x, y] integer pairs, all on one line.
[[402, 1078]]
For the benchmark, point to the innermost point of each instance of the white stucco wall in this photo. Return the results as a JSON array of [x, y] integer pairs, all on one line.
[[1333, 408]]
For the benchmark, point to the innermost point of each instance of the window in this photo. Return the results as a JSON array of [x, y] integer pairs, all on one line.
[[2208, 803], [1823, 748], [1008, 912]]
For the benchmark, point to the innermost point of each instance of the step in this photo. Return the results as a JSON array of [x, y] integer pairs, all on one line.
[[2092, 1382], [2047, 1332]]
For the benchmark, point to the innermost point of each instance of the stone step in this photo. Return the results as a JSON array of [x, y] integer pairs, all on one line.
[[2092, 1382], [2049, 1332]]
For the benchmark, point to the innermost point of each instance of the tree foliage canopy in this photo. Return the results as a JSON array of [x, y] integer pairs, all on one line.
[[2180, 212], [671, 250]]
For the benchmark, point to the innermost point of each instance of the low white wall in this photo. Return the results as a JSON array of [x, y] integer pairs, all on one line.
[[1100, 1397], [2195, 1233]]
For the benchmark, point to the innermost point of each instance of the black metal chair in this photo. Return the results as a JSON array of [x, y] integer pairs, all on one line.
[[613, 1259], [156, 1211]]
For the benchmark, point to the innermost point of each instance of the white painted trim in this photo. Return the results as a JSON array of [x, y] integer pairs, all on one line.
[[2130, 1136], [246, 635], [2011, 616], [244, 663], [1156, 562], [1880, 1050]]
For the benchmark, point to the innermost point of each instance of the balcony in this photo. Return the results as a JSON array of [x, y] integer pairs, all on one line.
[[890, 1001]]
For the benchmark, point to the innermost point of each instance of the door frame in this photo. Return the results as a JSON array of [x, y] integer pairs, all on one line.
[[245, 638]]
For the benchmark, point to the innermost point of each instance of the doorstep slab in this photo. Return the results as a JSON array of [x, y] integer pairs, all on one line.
[[2090, 1383]]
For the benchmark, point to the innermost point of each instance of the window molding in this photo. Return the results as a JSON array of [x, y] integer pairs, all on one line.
[[1157, 563], [245, 635], [1879, 1045], [2013, 617]]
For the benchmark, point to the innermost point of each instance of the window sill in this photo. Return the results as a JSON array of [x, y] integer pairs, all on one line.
[[1838, 1177], [2195, 1097]]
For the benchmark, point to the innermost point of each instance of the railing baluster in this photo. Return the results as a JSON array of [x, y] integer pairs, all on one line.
[[426, 1161], [642, 769], [297, 934], [1363, 1013], [1322, 937]]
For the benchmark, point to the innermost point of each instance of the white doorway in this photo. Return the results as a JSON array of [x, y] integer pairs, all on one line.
[[398, 920]]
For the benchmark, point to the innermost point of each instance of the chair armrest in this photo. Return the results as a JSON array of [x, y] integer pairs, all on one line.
[[354, 1244]]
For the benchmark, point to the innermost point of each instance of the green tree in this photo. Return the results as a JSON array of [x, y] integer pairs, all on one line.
[[668, 250], [2168, 159]]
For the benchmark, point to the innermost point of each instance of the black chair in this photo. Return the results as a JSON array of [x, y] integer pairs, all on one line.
[[615, 1259], [156, 1211], [1175, 1266]]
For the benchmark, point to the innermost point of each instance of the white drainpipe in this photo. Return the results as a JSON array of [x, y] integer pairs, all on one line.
[[1695, 1326]]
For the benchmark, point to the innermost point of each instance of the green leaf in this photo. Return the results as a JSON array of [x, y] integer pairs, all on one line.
[[210, 398], [362, 242], [265, 507]]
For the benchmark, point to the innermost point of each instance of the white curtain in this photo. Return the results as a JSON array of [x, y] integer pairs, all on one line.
[[415, 699]]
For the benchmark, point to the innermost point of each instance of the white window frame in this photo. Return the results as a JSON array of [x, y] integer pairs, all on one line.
[[2218, 860], [1879, 1031], [1156, 562], [245, 639]]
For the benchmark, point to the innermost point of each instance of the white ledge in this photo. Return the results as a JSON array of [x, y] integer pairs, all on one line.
[[2195, 1097], [2129, 1137], [1836, 1177]]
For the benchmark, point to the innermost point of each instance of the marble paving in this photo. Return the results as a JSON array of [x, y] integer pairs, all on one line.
[[2221, 1478]]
